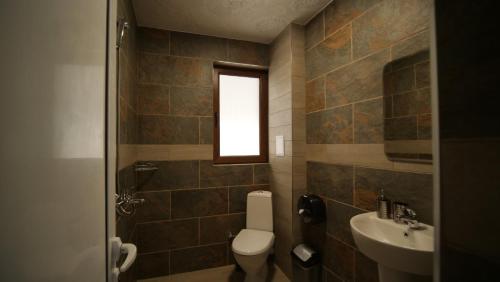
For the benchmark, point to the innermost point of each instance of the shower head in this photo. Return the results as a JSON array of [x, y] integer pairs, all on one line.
[[122, 26]]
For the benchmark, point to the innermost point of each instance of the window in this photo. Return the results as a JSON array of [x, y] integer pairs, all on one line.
[[240, 115]]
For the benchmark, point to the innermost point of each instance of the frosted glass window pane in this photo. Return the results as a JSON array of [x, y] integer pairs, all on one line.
[[239, 116]]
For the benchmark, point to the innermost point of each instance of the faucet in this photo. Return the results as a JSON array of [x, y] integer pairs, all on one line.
[[409, 217], [404, 215]]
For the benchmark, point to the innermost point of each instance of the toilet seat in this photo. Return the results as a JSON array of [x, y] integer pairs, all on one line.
[[251, 242]]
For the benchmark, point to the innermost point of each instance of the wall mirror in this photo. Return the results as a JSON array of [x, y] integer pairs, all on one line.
[[407, 109]]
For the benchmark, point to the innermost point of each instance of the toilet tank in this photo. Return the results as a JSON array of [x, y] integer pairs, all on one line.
[[260, 210]]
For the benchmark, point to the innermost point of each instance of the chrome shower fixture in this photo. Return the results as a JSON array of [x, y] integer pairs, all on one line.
[[126, 203], [122, 27]]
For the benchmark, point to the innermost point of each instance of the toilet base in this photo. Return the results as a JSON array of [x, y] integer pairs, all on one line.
[[259, 276]]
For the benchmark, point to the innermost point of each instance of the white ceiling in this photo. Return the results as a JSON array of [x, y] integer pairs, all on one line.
[[252, 20]]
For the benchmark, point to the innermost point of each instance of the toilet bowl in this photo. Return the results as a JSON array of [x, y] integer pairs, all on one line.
[[252, 245]]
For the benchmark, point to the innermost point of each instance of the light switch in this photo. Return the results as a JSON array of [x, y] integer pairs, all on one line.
[[280, 146]]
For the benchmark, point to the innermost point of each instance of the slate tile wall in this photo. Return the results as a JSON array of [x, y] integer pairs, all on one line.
[[191, 207], [349, 190], [127, 68], [348, 45], [174, 83]]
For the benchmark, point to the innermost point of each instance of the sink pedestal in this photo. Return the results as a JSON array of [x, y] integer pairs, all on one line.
[[402, 254], [386, 274]]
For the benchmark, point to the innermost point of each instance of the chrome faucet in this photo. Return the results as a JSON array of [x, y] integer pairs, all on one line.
[[410, 218], [404, 215]]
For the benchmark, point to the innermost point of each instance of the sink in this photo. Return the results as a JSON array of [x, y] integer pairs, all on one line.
[[402, 254]]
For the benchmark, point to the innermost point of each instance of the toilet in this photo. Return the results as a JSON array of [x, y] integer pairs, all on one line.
[[253, 244]]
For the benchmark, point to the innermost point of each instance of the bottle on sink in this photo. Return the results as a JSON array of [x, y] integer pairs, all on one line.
[[383, 206]]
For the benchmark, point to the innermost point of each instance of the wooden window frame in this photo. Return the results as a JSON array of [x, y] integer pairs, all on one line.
[[263, 114]]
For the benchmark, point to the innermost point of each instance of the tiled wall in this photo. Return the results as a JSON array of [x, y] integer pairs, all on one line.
[[174, 88], [287, 118], [349, 190], [127, 82], [328, 94], [128, 120], [191, 205], [347, 46], [299, 187]]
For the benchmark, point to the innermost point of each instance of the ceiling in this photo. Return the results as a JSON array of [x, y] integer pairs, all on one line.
[[251, 20]]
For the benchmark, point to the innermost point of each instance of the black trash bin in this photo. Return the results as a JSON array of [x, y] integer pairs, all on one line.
[[306, 264]]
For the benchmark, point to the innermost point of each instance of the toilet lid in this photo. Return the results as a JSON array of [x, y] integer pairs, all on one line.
[[252, 242]]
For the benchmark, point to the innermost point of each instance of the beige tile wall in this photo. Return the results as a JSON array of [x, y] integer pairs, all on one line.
[[298, 125], [280, 123], [287, 118]]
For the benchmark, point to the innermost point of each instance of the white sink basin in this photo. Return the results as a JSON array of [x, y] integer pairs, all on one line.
[[393, 245]]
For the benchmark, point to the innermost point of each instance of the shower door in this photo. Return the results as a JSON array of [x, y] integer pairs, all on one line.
[[52, 144]]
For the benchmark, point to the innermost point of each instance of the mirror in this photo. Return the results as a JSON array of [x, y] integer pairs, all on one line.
[[407, 109]]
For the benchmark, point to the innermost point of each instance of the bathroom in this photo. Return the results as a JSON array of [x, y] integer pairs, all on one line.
[[350, 153]]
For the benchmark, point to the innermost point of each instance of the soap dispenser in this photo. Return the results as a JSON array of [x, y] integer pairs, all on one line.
[[383, 206]]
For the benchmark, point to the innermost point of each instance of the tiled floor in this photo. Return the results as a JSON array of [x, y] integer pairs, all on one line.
[[223, 274]]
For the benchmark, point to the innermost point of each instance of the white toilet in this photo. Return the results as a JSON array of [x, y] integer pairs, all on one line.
[[253, 244]]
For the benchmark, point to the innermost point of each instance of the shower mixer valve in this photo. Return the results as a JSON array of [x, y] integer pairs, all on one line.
[[126, 203]]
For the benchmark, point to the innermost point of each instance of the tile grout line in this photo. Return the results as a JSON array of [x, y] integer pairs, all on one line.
[[184, 248], [392, 45], [344, 105], [407, 92], [169, 262], [170, 204], [203, 188], [352, 46], [362, 165], [228, 201], [323, 18], [253, 174], [354, 184], [392, 108], [173, 116], [332, 272], [169, 43], [211, 60], [149, 83], [189, 218], [199, 174], [324, 92], [414, 68], [199, 231], [353, 123], [353, 248], [281, 111], [325, 36], [227, 49], [390, 53], [169, 100], [405, 116]]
